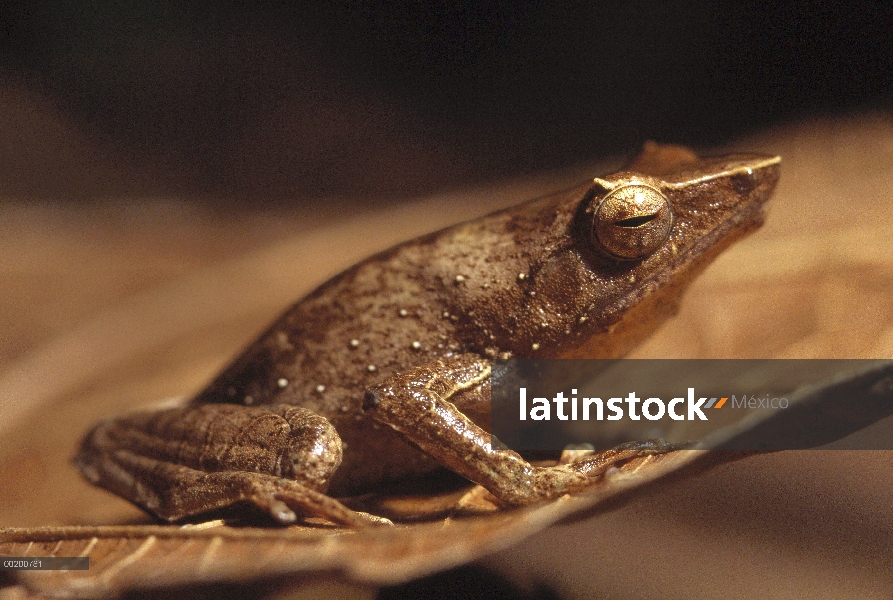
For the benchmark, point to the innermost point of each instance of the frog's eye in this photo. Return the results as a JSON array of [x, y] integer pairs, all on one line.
[[632, 221]]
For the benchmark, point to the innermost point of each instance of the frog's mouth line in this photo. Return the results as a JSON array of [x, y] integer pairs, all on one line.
[[748, 217], [655, 299]]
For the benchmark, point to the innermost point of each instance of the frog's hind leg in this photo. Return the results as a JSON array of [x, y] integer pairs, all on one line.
[[179, 492], [183, 462], [416, 403]]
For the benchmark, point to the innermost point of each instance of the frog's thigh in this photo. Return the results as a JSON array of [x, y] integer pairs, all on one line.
[[186, 461], [417, 404]]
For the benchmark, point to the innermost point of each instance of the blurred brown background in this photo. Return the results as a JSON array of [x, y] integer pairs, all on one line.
[[297, 100], [172, 175]]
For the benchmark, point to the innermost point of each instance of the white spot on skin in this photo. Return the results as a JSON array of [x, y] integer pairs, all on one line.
[[371, 368], [403, 312], [446, 315], [535, 347], [416, 345], [282, 382], [354, 343], [521, 276], [582, 319], [320, 388], [460, 278]]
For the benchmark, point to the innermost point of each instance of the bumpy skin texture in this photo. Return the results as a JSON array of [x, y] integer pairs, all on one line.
[[530, 281]]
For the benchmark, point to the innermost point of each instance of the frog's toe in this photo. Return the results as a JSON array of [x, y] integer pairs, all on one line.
[[654, 445], [374, 520], [281, 512]]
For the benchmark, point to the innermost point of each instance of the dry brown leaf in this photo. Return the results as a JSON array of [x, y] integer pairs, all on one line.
[[147, 556]]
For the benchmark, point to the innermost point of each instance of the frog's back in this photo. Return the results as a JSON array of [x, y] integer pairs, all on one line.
[[450, 292]]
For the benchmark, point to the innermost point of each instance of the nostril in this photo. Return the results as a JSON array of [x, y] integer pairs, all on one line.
[[744, 182], [371, 399]]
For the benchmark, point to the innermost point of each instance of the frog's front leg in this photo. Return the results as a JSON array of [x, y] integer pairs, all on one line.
[[186, 461], [417, 404]]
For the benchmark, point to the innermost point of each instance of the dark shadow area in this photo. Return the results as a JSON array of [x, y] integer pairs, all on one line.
[[224, 591], [6, 579], [332, 99], [466, 582]]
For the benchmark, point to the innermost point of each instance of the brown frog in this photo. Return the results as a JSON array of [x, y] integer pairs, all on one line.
[[383, 372]]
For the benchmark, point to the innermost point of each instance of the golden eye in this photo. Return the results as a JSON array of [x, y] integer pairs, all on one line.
[[632, 221]]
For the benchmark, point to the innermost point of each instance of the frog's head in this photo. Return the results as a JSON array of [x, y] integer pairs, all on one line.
[[589, 272], [644, 233]]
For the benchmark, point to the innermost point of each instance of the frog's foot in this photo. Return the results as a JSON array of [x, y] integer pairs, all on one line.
[[477, 501], [282, 499], [178, 492], [594, 464], [416, 403], [572, 454], [183, 462], [583, 452]]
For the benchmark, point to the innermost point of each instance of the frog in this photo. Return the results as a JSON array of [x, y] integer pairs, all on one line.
[[383, 372]]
